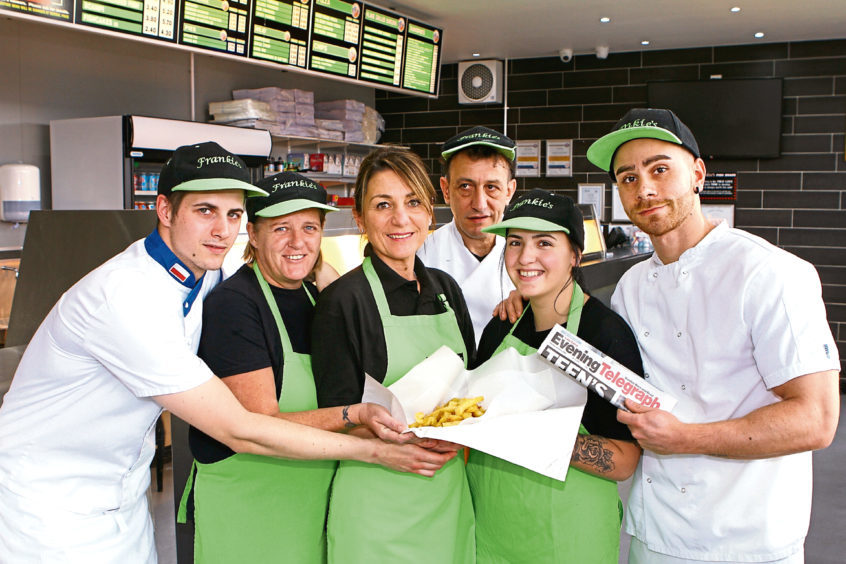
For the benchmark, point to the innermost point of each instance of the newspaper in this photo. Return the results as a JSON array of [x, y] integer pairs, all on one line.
[[599, 372]]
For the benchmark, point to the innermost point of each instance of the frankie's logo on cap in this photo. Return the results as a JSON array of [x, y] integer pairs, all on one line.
[[532, 202], [479, 136], [640, 123], [227, 159], [294, 184]]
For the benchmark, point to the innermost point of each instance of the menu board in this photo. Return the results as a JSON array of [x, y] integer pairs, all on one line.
[[148, 18], [422, 60], [346, 39], [335, 37], [61, 10], [382, 39], [280, 31], [220, 25]]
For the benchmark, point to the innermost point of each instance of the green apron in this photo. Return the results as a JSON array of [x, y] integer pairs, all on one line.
[[525, 517], [378, 515], [250, 508]]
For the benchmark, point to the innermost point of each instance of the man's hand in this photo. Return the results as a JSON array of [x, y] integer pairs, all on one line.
[[437, 445], [654, 429], [511, 308], [410, 458]]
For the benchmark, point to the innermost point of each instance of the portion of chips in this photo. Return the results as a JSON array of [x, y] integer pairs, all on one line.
[[452, 412]]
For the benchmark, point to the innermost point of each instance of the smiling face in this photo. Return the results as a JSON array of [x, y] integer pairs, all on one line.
[[477, 191], [539, 263], [656, 180], [287, 247], [203, 228], [394, 219]]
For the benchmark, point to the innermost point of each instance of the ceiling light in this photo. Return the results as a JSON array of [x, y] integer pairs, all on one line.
[[477, 54], [604, 19], [645, 42], [759, 35], [735, 10]]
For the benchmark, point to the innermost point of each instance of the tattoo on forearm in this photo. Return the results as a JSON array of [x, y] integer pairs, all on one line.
[[593, 451], [348, 424]]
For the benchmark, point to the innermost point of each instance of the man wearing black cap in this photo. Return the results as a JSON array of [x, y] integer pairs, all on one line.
[[735, 328], [477, 183], [76, 425]]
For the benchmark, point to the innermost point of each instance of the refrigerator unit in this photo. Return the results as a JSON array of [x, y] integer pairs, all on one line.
[[113, 162]]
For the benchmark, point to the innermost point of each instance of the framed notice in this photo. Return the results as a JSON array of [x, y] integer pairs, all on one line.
[[559, 157], [719, 186], [720, 211], [593, 194], [528, 158], [618, 214]]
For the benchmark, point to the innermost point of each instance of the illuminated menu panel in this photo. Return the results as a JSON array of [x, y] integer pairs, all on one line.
[[148, 18], [335, 34], [382, 39], [280, 31], [220, 25], [61, 10], [422, 58]]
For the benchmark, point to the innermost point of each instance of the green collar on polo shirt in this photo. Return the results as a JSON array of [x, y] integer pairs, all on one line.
[[161, 253]]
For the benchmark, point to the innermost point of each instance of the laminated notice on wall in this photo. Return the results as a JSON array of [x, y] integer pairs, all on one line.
[[559, 157], [599, 372], [528, 158]]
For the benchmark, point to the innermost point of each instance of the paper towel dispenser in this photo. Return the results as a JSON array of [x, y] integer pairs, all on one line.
[[20, 191]]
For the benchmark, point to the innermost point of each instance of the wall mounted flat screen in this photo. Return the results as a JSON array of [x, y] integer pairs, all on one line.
[[421, 61], [58, 10], [731, 119], [382, 40], [154, 19], [219, 25], [280, 31]]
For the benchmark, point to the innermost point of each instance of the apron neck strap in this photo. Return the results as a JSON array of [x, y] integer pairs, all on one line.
[[287, 349], [376, 288]]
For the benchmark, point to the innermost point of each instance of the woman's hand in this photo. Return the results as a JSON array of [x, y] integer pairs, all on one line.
[[410, 458], [436, 445], [511, 308], [380, 422]]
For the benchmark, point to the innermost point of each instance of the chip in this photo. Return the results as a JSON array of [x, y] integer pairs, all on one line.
[[452, 412]]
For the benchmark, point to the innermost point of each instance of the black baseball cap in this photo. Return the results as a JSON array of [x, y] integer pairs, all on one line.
[[287, 192], [203, 167], [539, 210], [479, 136], [640, 123]]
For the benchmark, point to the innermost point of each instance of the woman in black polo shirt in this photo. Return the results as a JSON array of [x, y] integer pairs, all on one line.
[[577, 520], [256, 336], [382, 319]]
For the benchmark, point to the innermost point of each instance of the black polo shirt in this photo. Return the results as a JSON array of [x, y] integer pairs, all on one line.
[[347, 335], [240, 335], [599, 326]]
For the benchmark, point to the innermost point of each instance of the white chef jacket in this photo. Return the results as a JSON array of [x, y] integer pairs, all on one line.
[[734, 317], [77, 425], [484, 283]]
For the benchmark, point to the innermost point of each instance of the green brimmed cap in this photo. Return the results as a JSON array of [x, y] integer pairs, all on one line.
[[641, 123], [539, 210], [287, 192], [203, 167], [479, 136]]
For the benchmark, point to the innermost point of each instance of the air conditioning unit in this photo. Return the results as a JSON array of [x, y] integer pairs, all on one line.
[[480, 82]]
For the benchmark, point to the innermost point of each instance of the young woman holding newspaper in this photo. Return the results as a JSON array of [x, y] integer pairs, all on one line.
[[577, 520]]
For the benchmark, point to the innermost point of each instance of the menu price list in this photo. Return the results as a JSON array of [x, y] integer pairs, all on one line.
[[219, 25], [422, 58], [280, 31], [382, 39], [53, 9], [148, 18], [335, 34]]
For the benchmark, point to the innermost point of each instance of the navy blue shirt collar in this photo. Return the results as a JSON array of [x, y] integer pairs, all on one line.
[[161, 253]]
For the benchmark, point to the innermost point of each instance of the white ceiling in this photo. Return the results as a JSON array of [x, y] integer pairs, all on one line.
[[516, 29]]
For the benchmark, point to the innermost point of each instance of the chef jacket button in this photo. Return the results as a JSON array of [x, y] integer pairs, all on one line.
[[683, 490], [679, 334], [646, 333], [654, 275], [684, 272], [646, 374], [649, 480], [684, 387]]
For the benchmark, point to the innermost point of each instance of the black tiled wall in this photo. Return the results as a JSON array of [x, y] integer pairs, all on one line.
[[797, 201]]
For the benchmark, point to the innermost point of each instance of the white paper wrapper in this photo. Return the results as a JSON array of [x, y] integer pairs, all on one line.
[[532, 413]]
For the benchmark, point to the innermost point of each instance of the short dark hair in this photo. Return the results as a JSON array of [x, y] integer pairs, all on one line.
[[175, 200], [477, 152]]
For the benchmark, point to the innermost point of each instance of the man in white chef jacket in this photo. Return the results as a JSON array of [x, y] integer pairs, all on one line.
[[735, 329], [477, 183]]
